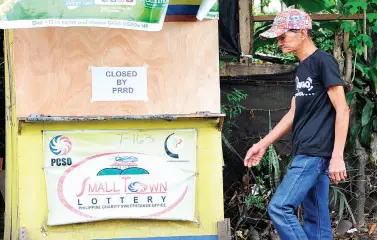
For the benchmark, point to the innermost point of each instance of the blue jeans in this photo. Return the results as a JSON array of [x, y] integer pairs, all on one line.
[[306, 181]]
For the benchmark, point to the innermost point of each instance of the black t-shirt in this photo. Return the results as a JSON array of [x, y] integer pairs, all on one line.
[[314, 122]]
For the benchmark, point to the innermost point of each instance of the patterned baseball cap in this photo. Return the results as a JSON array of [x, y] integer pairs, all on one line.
[[287, 20]]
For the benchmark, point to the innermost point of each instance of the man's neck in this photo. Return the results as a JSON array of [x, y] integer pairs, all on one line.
[[306, 49]]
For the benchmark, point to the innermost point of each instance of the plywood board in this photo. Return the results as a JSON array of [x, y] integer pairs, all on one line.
[[52, 76]]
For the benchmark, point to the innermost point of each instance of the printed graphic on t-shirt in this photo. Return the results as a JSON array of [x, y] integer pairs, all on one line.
[[304, 88]]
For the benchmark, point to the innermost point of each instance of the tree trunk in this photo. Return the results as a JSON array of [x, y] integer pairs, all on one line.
[[338, 44], [365, 32], [362, 157], [251, 29], [348, 64], [373, 148], [360, 152]]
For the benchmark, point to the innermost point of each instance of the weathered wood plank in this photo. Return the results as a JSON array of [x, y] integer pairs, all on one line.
[[224, 230], [245, 28], [237, 69]]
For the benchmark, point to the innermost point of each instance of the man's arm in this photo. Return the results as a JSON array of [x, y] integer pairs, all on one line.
[[337, 167], [256, 152]]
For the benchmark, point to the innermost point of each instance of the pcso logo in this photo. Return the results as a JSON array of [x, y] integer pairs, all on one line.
[[60, 145], [173, 144]]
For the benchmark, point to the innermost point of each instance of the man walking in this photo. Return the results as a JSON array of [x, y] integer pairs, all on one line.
[[319, 118]]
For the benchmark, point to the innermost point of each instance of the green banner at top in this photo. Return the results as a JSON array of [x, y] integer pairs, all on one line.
[[146, 15]]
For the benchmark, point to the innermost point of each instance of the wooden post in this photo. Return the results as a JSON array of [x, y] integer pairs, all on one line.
[[224, 230], [251, 27], [245, 28]]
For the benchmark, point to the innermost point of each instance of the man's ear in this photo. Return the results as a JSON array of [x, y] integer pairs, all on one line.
[[304, 33]]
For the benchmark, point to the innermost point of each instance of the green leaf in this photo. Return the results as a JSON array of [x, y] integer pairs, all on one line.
[[360, 50], [275, 163], [367, 40], [372, 74], [357, 90], [258, 42], [372, 17], [359, 82], [355, 42], [341, 207], [346, 204], [354, 5], [348, 26], [365, 135], [273, 157], [358, 41], [362, 67], [366, 71], [375, 124], [336, 197], [270, 174], [313, 5], [349, 97], [354, 132], [351, 94], [367, 113]]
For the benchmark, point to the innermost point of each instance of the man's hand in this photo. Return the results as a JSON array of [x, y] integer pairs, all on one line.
[[337, 169], [256, 152], [254, 155]]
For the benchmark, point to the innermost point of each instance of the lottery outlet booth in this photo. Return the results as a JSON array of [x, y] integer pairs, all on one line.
[[113, 127]]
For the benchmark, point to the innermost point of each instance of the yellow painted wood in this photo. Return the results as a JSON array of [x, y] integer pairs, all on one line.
[[11, 174], [33, 196]]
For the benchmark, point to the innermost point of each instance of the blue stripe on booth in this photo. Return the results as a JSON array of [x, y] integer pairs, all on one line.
[[182, 10], [203, 237]]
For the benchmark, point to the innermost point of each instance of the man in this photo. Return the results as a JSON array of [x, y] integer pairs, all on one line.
[[318, 117]]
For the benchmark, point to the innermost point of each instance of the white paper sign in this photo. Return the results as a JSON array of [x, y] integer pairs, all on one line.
[[119, 84], [120, 174]]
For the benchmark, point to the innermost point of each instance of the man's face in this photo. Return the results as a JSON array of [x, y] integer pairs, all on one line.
[[290, 41]]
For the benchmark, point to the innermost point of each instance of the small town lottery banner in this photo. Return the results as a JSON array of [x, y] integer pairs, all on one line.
[[135, 174]]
